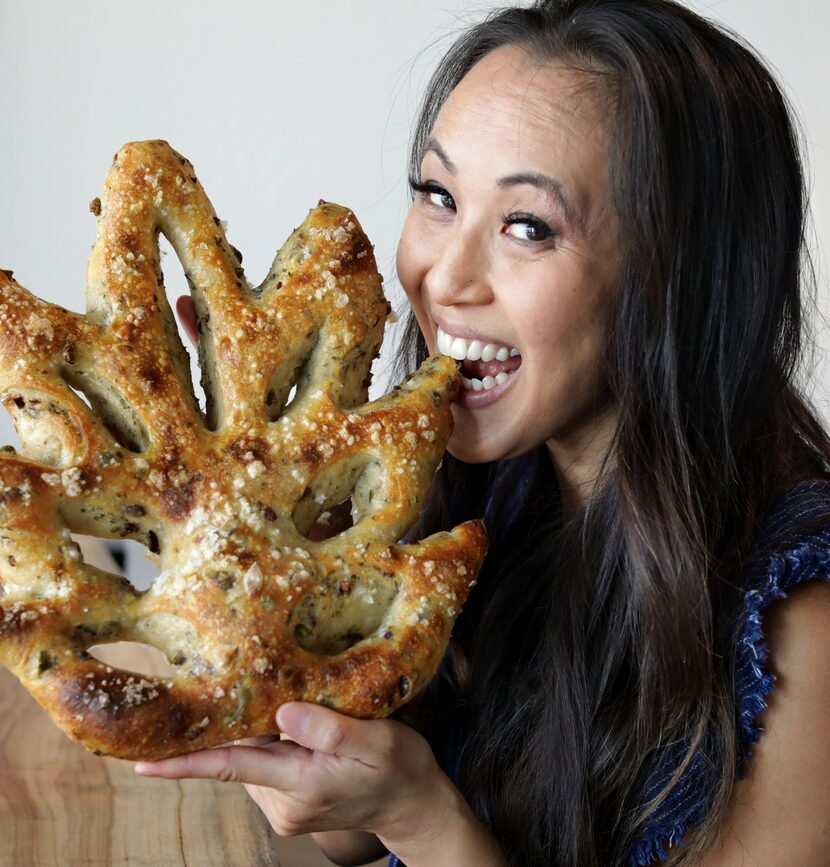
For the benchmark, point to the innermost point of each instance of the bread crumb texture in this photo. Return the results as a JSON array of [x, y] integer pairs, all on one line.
[[275, 510]]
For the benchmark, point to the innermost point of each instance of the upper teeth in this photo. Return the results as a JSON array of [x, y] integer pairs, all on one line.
[[473, 350]]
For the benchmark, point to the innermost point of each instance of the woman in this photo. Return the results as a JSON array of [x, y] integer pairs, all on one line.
[[609, 194]]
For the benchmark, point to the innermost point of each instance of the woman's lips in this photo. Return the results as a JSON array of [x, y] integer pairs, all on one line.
[[485, 367], [475, 394]]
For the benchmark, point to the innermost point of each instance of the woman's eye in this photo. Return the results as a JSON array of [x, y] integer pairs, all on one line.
[[441, 198], [433, 194], [528, 228]]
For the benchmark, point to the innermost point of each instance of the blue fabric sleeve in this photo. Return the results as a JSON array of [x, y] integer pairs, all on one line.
[[689, 802], [754, 681]]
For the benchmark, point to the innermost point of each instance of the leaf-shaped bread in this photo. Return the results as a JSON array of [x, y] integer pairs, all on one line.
[[248, 609]]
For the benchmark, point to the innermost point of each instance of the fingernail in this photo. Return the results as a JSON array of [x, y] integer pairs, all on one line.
[[292, 718], [145, 768]]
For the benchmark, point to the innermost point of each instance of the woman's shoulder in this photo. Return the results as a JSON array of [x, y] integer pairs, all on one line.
[[786, 607], [782, 672], [776, 812]]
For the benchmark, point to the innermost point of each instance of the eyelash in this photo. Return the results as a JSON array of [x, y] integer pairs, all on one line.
[[508, 219]]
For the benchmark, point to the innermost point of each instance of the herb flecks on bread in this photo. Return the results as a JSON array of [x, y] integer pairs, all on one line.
[[251, 608]]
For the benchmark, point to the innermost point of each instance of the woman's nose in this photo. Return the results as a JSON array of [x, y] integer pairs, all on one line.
[[459, 272]]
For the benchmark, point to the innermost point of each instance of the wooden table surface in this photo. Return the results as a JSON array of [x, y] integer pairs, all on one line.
[[60, 805]]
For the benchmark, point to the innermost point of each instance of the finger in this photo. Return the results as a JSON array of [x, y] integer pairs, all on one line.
[[319, 728], [262, 796], [187, 316], [260, 741], [338, 519], [276, 765]]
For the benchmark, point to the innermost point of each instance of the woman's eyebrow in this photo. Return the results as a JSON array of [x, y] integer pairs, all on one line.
[[535, 179], [544, 182], [435, 147]]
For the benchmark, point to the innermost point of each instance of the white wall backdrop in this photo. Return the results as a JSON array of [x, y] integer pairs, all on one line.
[[277, 104]]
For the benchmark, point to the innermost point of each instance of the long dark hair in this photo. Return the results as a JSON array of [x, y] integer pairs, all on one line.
[[594, 640]]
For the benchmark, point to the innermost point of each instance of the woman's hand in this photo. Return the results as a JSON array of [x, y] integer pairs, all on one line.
[[342, 774], [337, 773], [186, 311]]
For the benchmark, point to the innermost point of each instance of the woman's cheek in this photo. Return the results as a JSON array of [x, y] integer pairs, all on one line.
[[411, 269], [406, 257]]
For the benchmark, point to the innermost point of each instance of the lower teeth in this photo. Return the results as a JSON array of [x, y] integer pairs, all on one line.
[[485, 384]]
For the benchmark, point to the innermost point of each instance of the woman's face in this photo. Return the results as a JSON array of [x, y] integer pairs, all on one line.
[[511, 249]]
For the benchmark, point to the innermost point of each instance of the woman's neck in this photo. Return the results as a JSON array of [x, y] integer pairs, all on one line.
[[578, 457]]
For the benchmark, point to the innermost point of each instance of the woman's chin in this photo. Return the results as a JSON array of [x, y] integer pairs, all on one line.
[[470, 453], [473, 447]]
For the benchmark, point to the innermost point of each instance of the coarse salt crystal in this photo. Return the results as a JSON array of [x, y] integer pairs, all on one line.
[[252, 580], [72, 481]]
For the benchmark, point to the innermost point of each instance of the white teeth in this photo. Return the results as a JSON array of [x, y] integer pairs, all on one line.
[[458, 349], [444, 342], [473, 350], [487, 383], [488, 353]]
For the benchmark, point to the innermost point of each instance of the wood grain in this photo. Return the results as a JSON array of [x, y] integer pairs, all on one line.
[[61, 805]]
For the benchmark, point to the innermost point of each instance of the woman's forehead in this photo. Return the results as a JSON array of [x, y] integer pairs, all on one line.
[[513, 114], [525, 100]]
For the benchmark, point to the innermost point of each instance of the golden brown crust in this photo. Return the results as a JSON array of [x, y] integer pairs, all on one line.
[[251, 611]]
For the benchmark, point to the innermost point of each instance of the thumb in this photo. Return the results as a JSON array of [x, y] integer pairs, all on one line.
[[187, 314], [319, 728]]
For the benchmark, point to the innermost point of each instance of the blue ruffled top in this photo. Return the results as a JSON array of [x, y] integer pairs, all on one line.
[[787, 553], [792, 548]]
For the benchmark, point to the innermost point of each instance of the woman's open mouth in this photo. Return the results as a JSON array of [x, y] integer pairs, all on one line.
[[485, 367]]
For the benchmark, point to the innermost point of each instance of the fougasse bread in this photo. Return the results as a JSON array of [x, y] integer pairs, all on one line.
[[249, 610]]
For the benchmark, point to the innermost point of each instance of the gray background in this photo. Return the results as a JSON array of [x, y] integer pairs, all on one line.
[[277, 104]]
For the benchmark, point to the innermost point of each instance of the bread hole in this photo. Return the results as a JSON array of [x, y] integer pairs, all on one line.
[[78, 393], [184, 364], [9, 437], [341, 613], [133, 561], [138, 562], [290, 380], [207, 392], [355, 485], [179, 356], [272, 408], [110, 406], [133, 656], [331, 522], [136, 646]]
